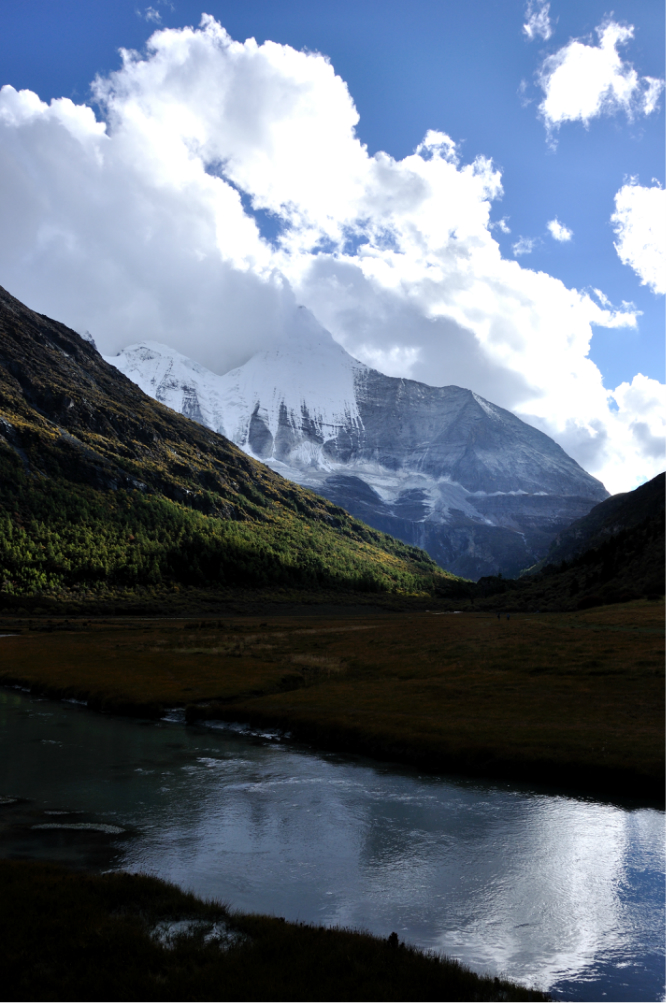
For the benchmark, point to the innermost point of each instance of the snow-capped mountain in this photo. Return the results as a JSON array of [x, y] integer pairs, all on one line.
[[440, 467]]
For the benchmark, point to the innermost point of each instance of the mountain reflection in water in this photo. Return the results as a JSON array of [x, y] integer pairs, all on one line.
[[558, 891]]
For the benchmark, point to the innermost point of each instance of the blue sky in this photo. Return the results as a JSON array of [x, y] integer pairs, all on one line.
[[414, 66], [467, 70]]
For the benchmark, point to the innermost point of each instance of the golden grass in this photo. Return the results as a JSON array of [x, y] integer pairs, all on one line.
[[569, 697]]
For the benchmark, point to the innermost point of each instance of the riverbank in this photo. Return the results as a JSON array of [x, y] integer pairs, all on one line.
[[74, 936], [572, 699]]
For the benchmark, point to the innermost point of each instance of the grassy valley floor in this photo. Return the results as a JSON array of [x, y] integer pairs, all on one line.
[[573, 699]]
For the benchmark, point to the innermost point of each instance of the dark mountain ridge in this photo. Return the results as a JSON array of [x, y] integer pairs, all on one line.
[[102, 487], [613, 554], [616, 514]]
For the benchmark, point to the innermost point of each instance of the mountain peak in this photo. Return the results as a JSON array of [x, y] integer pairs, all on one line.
[[307, 371], [440, 467]]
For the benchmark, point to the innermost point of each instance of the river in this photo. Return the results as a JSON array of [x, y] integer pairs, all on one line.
[[548, 888]]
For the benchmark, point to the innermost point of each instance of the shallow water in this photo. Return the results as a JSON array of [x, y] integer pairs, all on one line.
[[562, 892]]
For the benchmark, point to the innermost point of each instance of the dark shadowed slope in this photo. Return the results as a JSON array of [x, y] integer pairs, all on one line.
[[619, 513], [72, 936], [614, 554], [102, 487]]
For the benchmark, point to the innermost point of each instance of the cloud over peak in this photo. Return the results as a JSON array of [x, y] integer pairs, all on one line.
[[147, 225]]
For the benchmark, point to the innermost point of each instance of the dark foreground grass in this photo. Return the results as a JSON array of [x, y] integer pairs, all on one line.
[[574, 699], [70, 936]]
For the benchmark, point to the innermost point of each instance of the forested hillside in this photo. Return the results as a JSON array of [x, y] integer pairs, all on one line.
[[104, 489]]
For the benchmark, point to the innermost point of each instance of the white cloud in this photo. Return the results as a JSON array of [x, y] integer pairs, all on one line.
[[150, 14], [582, 81], [524, 245], [537, 24], [603, 299], [558, 231], [653, 87], [501, 225], [143, 227], [640, 224], [642, 417]]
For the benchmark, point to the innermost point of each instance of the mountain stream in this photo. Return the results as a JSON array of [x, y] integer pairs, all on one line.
[[552, 889]]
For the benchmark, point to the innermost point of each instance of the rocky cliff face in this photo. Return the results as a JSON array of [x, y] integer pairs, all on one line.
[[439, 467]]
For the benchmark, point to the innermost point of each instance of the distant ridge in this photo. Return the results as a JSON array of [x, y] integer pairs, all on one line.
[[614, 554], [617, 514]]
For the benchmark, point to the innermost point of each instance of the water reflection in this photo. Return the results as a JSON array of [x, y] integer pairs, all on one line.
[[561, 892]]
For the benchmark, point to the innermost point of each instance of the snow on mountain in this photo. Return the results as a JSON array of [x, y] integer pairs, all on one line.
[[439, 467], [310, 371], [310, 374]]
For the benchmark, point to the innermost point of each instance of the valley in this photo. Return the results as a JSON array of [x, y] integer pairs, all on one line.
[[570, 699], [154, 571]]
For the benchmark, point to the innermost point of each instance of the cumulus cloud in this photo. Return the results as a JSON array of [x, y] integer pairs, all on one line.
[[537, 24], [558, 231], [146, 224], [640, 224], [581, 81]]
